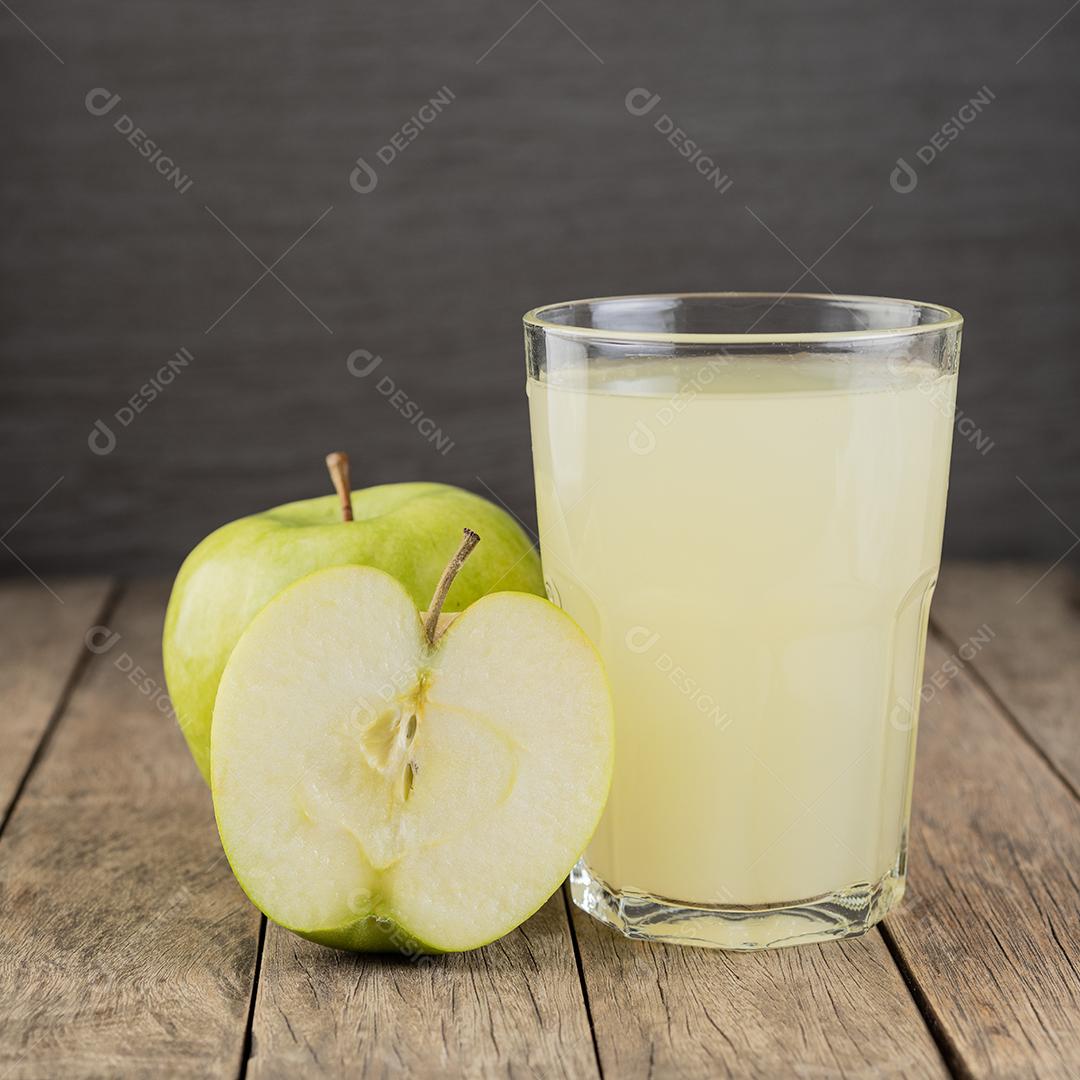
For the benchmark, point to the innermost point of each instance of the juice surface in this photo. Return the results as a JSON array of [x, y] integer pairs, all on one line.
[[752, 545]]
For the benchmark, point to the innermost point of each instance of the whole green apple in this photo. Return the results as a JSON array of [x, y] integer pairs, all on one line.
[[403, 529]]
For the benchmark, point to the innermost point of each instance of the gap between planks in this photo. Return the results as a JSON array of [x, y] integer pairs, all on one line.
[[986, 931], [976, 674], [248, 1046], [951, 1043], [567, 905], [156, 976], [936, 1028], [949, 1056], [79, 666], [950, 1051]]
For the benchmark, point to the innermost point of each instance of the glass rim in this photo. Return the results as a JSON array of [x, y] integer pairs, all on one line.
[[950, 319]]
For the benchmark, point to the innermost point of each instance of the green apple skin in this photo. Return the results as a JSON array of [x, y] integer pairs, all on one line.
[[407, 530], [378, 935]]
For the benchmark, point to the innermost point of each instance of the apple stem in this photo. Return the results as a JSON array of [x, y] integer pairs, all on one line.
[[452, 567], [338, 464]]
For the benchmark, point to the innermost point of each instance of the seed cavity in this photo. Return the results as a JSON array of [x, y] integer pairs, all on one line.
[[410, 728], [407, 780], [378, 737]]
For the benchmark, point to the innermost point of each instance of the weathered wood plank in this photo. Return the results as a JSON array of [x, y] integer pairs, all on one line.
[[1032, 663], [990, 929], [41, 643], [127, 948], [839, 1009], [514, 1008]]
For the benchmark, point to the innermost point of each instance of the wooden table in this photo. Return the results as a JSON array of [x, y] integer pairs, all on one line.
[[127, 949]]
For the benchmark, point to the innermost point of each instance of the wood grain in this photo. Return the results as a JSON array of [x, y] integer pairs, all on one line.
[[41, 643], [513, 1008], [990, 928], [1032, 664], [839, 1009], [127, 949]]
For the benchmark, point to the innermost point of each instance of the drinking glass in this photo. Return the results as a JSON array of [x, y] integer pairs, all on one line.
[[741, 499]]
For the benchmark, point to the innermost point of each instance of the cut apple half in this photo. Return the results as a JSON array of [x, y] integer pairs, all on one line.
[[378, 786]]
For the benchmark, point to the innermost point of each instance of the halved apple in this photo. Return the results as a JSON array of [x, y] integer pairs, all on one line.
[[379, 785]]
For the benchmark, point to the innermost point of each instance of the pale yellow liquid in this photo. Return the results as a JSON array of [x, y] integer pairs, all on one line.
[[752, 546]]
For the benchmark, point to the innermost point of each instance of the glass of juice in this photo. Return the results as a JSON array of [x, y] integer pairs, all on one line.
[[741, 499]]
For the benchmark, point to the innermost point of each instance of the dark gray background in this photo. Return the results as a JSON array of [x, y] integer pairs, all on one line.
[[536, 184]]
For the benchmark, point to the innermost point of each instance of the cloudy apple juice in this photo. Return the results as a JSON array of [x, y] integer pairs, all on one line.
[[752, 545]]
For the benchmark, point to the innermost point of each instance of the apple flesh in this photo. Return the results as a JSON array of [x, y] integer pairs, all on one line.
[[376, 791], [404, 529]]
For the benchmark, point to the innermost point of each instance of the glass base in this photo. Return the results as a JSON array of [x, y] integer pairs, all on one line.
[[845, 913]]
